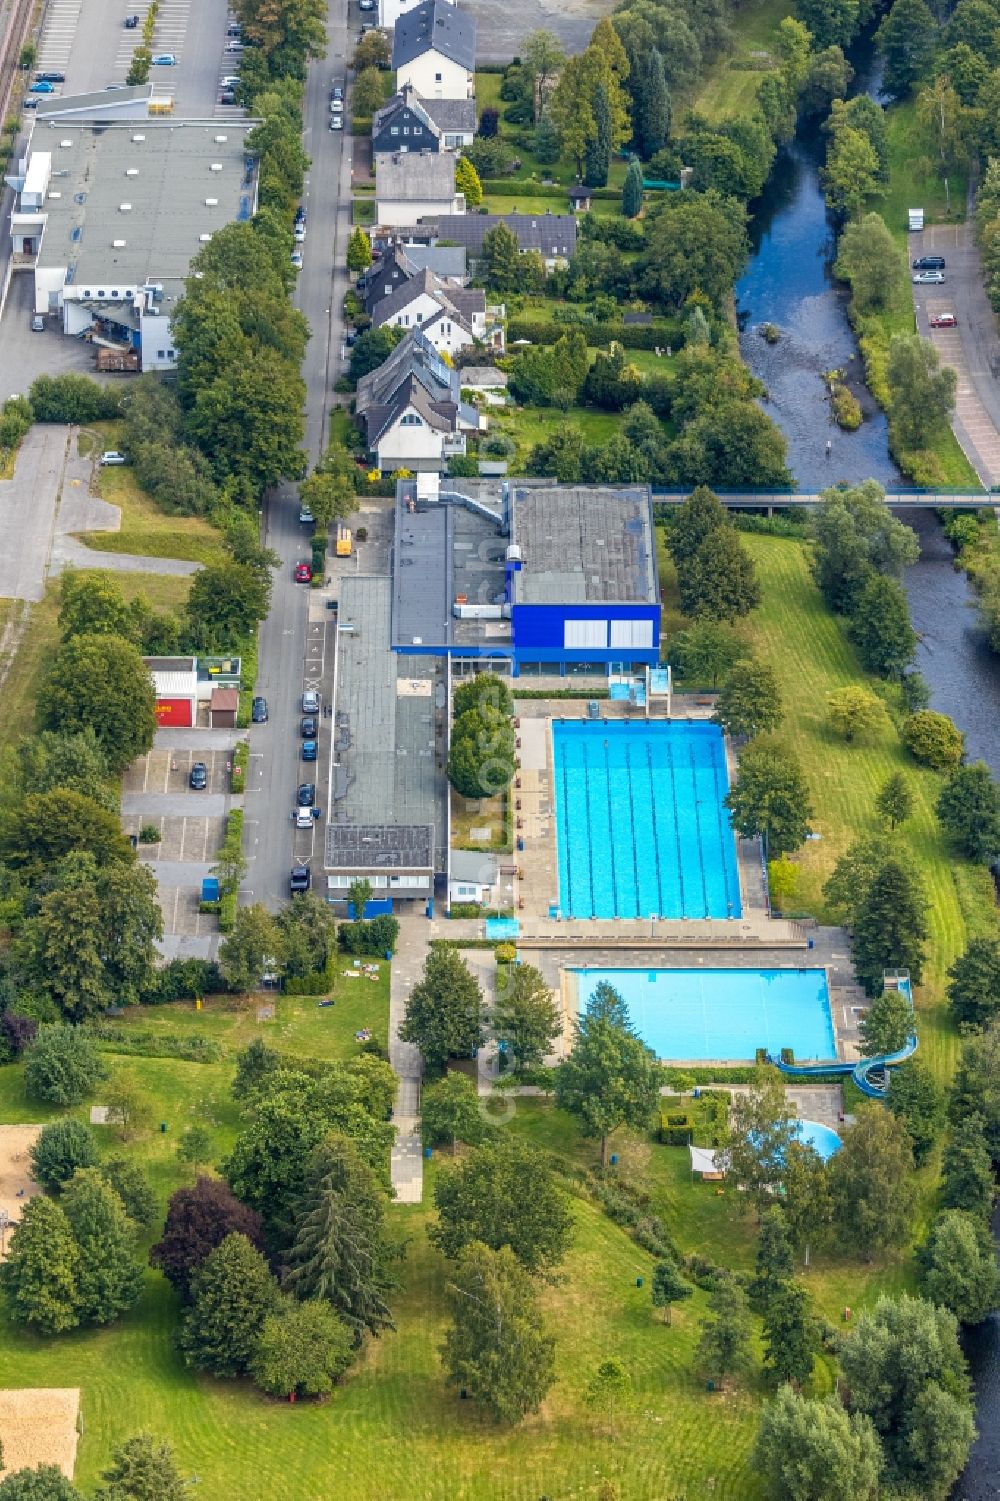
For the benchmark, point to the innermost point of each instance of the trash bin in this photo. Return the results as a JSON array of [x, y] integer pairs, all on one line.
[[163, 1127]]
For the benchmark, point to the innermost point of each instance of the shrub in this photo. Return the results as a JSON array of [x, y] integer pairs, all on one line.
[[62, 1066], [62, 1147], [149, 834], [376, 935], [933, 739], [188, 980], [73, 398]]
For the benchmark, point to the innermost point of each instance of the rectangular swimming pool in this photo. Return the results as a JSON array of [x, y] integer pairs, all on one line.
[[640, 821], [722, 1013]]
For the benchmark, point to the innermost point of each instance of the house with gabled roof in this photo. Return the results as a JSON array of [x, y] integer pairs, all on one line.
[[411, 411], [434, 50], [410, 185], [451, 317]]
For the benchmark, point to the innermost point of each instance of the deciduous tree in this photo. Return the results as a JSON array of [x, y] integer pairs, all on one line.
[[760, 1130], [812, 1450], [770, 799], [226, 603], [198, 1220], [62, 1067], [720, 581], [968, 808], [850, 176], [611, 1078], [40, 1274], [132, 1187], [725, 1343], [101, 682], [254, 942], [143, 1470], [894, 802], [503, 1194], [496, 1348], [880, 627], [46, 1483], [368, 96], [525, 1018], [907, 39], [789, 1335], [934, 739], [303, 1350], [60, 1148], [974, 983], [705, 652], [887, 1023], [609, 1390], [921, 390], [774, 1264], [449, 1112], [871, 1181], [444, 1012], [855, 713], [960, 1266], [109, 1278], [967, 1180], [916, 1098], [232, 1294], [750, 701], [806, 1197], [668, 1288]]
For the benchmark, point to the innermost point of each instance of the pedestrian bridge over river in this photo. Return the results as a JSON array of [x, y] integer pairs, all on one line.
[[769, 500]]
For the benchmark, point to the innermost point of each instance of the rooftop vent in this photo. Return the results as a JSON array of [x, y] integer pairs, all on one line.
[[211, 203], [65, 143], [118, 244], [55, 195], [138, 138], [219, 140], [124, 208], [131, 171], [204, 239], [215, 167]]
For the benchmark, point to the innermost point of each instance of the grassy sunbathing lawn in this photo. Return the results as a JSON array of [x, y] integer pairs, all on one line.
[[723, 90]]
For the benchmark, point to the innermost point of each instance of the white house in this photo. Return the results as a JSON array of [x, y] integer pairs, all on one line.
[[434, 50], [451, 317], [411, 410], [476, 876], [410, 186]]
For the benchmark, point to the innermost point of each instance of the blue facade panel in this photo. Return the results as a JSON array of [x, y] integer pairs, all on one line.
[[586, 633]]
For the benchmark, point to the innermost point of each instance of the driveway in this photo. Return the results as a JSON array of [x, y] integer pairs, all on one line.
[[972, 349]]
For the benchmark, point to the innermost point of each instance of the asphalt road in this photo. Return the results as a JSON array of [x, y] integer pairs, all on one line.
[[275, 767]]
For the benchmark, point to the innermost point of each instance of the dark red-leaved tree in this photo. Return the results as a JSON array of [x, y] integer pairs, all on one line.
[[18, 1031], [198, 1220]]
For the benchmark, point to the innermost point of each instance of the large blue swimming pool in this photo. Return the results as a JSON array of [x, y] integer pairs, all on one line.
[[642, 831], [722, 1013]]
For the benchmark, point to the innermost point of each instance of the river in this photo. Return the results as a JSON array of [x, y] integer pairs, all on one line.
[[789, 282]]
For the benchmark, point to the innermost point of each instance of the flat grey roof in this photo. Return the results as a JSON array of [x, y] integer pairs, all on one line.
[[584, 544], [381, 846], [406, 175], [388, 721], [108, 102], [443, 549], [173, 164]]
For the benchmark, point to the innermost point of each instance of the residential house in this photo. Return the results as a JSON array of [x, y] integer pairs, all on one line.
[[452, 318], [398, 262], [411, 410], [486, 383], [415, 185], [409, 123], [552, 235], [434, 49]]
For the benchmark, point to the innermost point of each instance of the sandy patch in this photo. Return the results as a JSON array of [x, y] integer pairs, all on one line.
[[38, 1426], [16, 1184]]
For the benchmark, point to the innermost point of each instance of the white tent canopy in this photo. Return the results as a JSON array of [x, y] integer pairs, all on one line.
[[703, 1160]]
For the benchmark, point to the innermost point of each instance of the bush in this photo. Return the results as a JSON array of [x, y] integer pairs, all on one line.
[[62, 1067], [149, 834], [376, 935], [73, 398], [656, 335], [135, 1042], [188, 980], [59, 1150], [933, 739]]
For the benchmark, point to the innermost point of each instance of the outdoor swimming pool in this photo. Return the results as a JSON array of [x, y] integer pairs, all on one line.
[[823, 1140], [642, 831], [722, 1013]]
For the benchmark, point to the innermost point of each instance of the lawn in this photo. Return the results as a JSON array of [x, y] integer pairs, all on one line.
[[723, 90], [531, 425], [808, 649], [145, 530]]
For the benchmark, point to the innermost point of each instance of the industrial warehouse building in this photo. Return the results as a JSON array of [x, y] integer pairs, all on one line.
[[111, 212], [540, 578]]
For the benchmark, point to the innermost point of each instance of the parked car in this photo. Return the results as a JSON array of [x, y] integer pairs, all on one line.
[[112, 456], [943, 320], [38, 324], [336, 106], [300, 215], [303, 573], [310, 750], [307, 727], [229, 81], [297, 259], [41, 87], [131, 22], [306, 795], [300, 879], [336, 122], [164, 60], [303, 818], [306, 516], [29, 104], [337, 91], [258, 711], [299, 233], [928, 279], [310, 701], [198, 779], [227, 97], [929, 263], [51, 77], [234, 31], [233, 49], [366, 4]]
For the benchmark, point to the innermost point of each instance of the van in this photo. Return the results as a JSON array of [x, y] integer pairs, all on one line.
[[345, 542]]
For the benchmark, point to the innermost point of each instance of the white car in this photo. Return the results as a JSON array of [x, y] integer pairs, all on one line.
[[300, 234], [112, 456], [336, 122], [297, 259], [929, 279], [229, 81], [303, 818]]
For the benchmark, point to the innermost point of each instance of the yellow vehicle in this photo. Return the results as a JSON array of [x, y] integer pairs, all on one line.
[[345, 542]]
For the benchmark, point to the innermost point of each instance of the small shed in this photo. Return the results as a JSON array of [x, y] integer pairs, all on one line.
[[222, 708], [706, 1162], [579, 198]]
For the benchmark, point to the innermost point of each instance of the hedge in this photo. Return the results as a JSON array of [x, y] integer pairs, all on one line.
[[518, 187], [630, 336], [314, 984]]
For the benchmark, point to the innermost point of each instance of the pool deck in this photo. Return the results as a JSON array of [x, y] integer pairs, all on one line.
[[538, 862]]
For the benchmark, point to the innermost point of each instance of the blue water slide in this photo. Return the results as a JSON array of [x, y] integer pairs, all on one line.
[[871, 1075]]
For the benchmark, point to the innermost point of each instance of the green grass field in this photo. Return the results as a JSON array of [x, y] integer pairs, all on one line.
[[724, 91]]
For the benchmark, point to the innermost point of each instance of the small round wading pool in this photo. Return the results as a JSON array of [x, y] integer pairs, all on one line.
[[822, 1139]]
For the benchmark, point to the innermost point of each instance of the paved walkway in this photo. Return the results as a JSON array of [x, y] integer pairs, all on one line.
[[406, 1164]]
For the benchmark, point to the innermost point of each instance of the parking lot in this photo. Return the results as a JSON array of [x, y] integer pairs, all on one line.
[[192, 825]]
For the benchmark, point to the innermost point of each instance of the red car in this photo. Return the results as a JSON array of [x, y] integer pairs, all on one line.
[[303, 573], [943, 320]]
